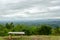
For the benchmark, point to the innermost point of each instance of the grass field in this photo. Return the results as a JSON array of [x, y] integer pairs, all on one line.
[[32, 38]]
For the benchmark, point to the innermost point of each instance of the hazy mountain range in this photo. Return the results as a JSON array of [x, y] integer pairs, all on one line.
[[52, 22]]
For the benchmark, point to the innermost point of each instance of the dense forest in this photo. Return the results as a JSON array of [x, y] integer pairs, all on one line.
[[42, 29]]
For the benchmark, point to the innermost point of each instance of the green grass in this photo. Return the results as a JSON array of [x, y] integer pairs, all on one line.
[[38, 37], [1, 38]]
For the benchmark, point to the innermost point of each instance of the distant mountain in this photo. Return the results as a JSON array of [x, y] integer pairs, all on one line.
[[51, 22]]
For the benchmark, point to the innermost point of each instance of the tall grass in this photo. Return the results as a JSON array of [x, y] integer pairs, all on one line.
[[41, 37]]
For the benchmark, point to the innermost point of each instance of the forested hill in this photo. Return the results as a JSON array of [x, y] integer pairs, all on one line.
[[52, 22]]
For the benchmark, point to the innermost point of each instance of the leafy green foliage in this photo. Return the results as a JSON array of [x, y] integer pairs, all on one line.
[[45, 30], [56, 31], [9, 26], [29, 30]]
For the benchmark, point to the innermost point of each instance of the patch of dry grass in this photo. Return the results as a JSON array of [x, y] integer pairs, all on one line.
[[37, 37]]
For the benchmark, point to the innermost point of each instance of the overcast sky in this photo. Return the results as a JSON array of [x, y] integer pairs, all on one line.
[[29, 9]]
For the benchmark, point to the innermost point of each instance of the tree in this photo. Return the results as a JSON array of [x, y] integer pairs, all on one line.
[[56, 31], [19, 28], [45, 30], [9, 26], [3, 30], [31, 30]]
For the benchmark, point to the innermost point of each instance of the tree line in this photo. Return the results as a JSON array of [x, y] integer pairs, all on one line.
[[29, 30]]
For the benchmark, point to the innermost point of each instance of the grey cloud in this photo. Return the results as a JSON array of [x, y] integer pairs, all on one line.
[[20, 6], [26, 4]]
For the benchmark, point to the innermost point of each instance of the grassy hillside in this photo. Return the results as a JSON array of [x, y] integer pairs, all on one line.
[[34, 38]]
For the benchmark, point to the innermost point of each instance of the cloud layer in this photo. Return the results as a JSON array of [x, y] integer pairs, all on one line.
[[29, 9]]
